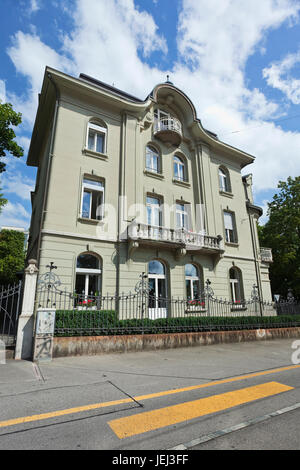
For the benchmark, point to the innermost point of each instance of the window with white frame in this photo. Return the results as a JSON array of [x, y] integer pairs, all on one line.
[[236, 285], [192, 282], [88, 276], [154, 212], [229, 225], [152, 160], [96, 138], [182, 216], [180, 173], [224, 182], [92, 204]]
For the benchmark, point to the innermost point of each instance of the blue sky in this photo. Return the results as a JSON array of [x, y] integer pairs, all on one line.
[[237, 60]]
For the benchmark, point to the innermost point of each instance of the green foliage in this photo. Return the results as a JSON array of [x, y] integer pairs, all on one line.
[[8, 118], [3, 202], [106, 322], [282, 234], [12, 255]]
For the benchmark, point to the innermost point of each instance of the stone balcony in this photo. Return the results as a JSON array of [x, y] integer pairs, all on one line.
[[180, 240], [266, 255], [168, 130]]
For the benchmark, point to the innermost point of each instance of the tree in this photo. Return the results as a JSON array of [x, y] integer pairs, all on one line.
[[8, 118], [12, 255], [2, 202], [282, 234]]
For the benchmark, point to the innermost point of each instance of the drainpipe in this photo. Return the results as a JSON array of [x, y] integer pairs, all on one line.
[[120, 198], [258, 280], [50, 155]]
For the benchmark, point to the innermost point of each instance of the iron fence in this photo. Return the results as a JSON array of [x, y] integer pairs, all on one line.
[[10, 302], [140, 312]]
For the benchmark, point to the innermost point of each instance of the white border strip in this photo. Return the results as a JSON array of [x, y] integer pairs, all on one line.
[[222, 432]]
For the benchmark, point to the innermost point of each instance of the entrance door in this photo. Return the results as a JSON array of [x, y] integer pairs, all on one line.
[[157, 290]]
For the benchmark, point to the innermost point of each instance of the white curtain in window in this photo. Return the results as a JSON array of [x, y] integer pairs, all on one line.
[[228, 221]]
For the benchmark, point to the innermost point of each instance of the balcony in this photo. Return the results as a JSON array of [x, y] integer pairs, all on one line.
[[180, 239], [266, 255], [168, 129]]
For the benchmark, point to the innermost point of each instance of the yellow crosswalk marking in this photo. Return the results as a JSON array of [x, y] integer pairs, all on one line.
[[151, 420], [94, 406]]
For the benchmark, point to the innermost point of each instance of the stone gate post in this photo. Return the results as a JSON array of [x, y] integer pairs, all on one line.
[[25, 332]]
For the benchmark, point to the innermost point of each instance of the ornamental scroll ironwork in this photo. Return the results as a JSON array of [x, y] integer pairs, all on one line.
[[208, 292], [142, 286], [49, 280]]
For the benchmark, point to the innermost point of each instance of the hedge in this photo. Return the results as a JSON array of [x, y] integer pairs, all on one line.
[[106, 322]]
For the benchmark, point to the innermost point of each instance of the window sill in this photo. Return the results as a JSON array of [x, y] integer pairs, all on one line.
[[234, 244], [91, 153], [89, 221], [226, 193], [186, 184], [154, 174]]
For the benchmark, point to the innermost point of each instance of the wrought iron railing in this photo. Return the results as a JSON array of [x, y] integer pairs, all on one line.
[[140, 312], [10, 303]]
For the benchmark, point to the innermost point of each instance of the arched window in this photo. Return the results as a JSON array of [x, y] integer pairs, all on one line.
[[236, 285], [88, 275], [153, 162], [192, 282], [96, 137], [180, 171], [157, 289], [224, 181]]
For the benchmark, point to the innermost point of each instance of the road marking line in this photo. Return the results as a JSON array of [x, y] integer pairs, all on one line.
[[159, 418], [236, 427], [54, 414]]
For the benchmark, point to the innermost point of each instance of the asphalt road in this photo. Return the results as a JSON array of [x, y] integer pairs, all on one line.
[[230, 396]]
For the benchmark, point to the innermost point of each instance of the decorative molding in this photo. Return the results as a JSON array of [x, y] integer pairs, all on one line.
[[91, 153]]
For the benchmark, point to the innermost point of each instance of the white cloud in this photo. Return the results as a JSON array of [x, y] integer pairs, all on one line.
[[106, 40], [278, 76], [30, 57], [110, 41], [2, 91], [264, 218], [215, 40], [34, 6], [19, 185], [14, 215]]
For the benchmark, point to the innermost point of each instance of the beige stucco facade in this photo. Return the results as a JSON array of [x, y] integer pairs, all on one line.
[[60, 232]]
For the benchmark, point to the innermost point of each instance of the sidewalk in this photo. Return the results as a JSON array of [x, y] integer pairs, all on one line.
[[171, 367]]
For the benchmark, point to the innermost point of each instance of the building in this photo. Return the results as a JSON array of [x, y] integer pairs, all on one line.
[[126, 186]]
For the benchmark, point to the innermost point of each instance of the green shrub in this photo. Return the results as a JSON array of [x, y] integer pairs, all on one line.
[[106, 322]]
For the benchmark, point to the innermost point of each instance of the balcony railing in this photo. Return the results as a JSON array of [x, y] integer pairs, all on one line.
[[266, 255], [191, 240], [168, 129]]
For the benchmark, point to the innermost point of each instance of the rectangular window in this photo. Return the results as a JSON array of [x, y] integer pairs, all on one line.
[[154, 213], [182, 216], [92, 199], [229, 224], [152, 160], [96, 138]]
